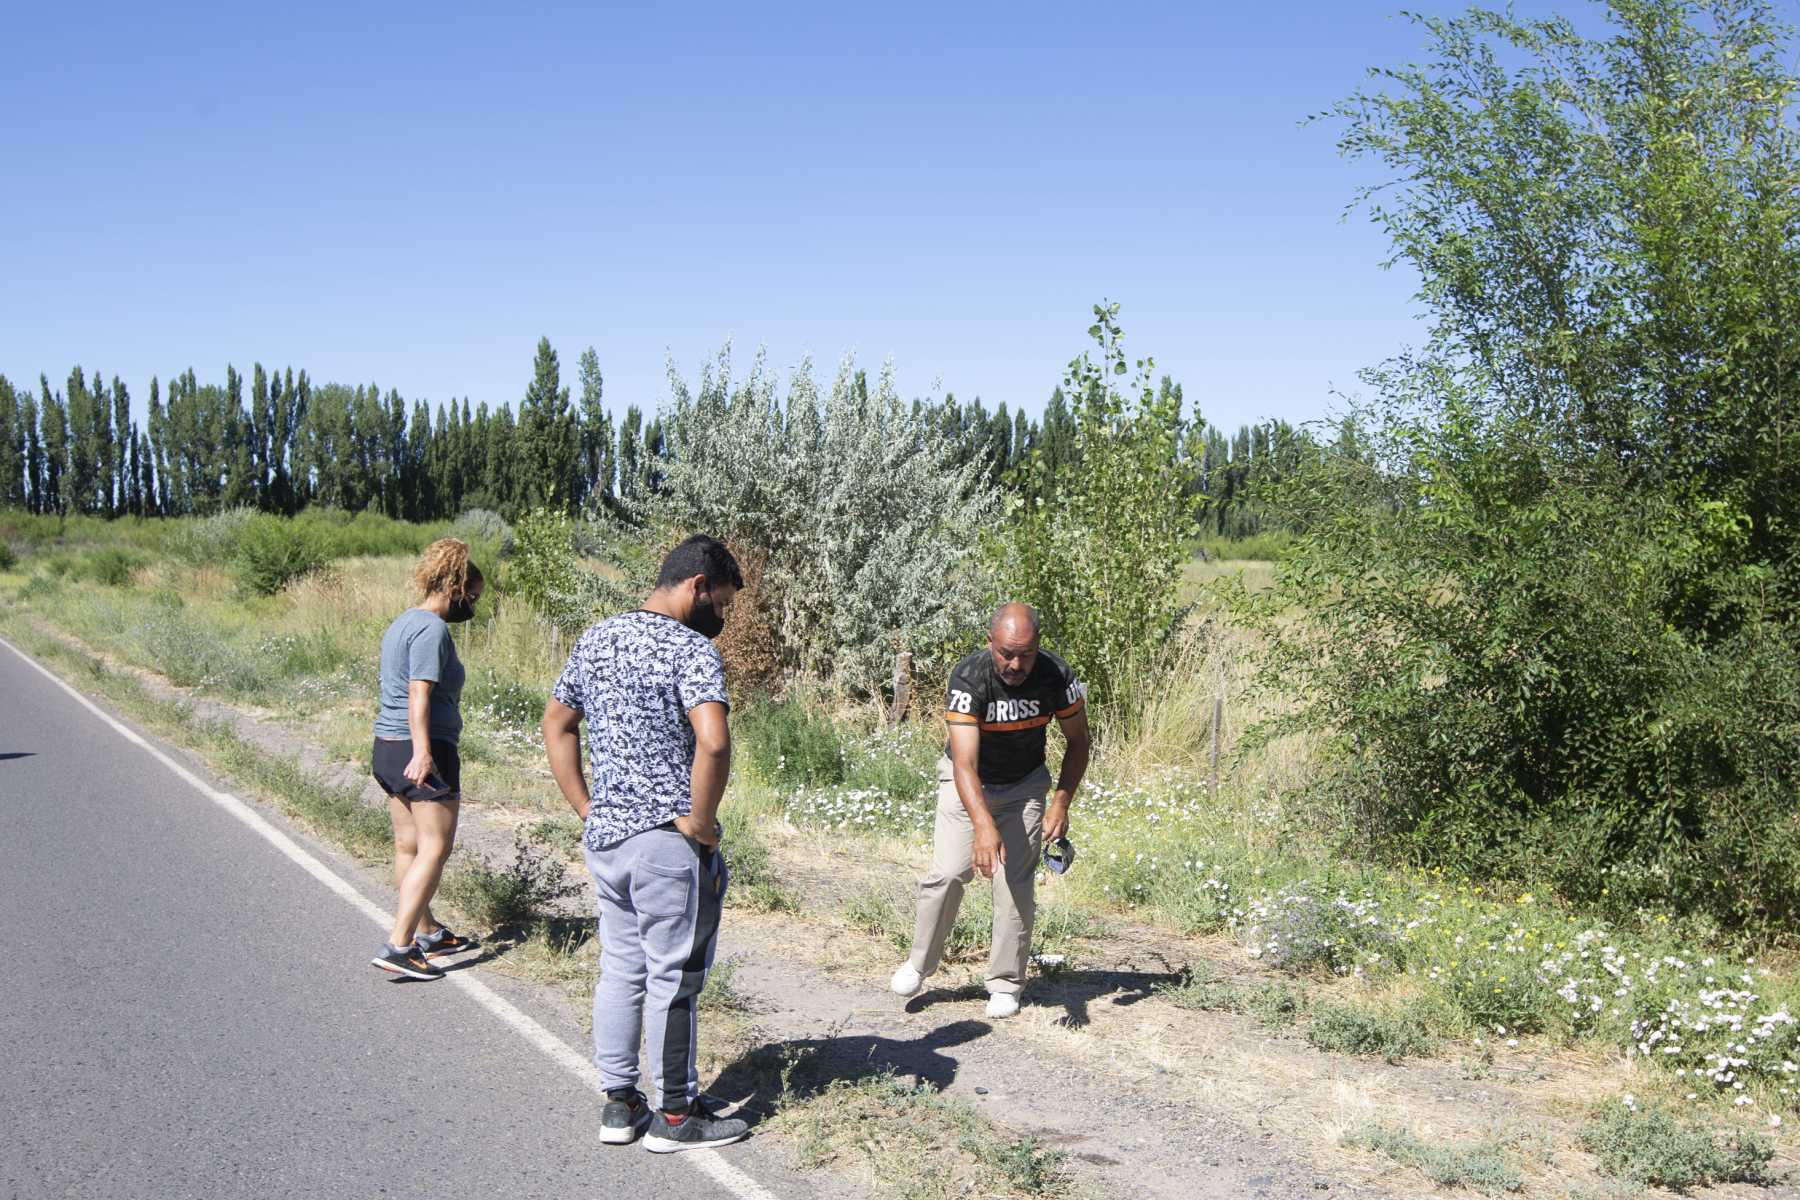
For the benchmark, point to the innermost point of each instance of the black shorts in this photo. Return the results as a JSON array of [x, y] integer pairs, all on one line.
[[444, 782]]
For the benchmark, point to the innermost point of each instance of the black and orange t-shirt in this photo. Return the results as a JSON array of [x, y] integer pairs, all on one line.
[[1012, 720]]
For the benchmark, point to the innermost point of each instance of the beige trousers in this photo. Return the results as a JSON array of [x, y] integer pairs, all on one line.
[[1018, 810]]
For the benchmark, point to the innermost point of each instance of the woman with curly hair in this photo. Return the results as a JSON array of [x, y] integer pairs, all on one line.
[[415, 759]]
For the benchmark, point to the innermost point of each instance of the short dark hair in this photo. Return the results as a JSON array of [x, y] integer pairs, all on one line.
[[700, 555]]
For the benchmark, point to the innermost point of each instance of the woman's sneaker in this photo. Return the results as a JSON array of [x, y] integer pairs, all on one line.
[[408, 962], [626, 1115], [696, 1131], [443, 943]]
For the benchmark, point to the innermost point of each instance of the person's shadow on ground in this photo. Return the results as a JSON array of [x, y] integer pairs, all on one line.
[[1073, 990], [761, 1076]]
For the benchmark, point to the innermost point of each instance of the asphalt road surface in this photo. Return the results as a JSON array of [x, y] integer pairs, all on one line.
[[186, 1012]]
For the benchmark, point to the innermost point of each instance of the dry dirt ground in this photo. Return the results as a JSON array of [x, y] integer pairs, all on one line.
[[1148, 1100]]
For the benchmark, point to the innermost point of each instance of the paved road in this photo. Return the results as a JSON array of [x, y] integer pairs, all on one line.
[[185, 1012]]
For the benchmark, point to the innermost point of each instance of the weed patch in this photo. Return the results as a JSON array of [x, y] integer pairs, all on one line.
[[1483, 1167], [1649, 1145], [515, 894], [1393, 1035], [928, 1146]]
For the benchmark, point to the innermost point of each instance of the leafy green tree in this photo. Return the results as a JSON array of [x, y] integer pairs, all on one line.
[[549, 441], [1569, 641], [54, 418], [12, 449], [29, 417], [630, 453], [122, 474], [860, 532], [597, 455], [1102, 560], [77, 478]]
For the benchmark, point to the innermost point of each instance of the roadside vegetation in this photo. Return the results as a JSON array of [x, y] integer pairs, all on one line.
[[1470, 725]]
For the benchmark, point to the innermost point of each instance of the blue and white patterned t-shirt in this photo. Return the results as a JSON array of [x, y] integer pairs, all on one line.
[[634, 678]]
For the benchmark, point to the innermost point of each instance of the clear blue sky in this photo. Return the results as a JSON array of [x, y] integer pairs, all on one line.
[[412, 194]]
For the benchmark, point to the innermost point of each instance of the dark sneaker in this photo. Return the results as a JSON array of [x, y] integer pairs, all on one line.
[[696, 1131], [443, 943], [625, 1116], [408, 962]]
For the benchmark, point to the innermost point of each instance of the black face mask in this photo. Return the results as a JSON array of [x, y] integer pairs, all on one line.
[[460, 611], [705, 619]]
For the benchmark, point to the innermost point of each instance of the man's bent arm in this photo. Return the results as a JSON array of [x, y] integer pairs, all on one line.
[[1074, 766], [987, 851], [1075, 757], [562, 742], [712, 768]]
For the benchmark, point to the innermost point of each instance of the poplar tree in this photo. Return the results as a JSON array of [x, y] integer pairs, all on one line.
[[123, 474], [12, 448], [596, 432], [55, 421], [75, 477], [34, 453]]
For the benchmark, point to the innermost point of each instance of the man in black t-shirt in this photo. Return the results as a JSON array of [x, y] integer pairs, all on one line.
[[991, 816]]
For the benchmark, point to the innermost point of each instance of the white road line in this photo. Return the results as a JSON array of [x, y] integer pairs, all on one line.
[[710, 1162]]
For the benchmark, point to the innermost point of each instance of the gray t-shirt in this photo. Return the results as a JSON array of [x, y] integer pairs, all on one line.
[[634, 678], [418, 646]]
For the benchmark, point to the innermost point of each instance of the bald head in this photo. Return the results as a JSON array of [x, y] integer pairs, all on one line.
[[1021, 618], [1013, 641]]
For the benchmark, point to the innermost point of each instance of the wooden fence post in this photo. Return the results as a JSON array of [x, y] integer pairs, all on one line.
[[903, 683], [1218, 719]]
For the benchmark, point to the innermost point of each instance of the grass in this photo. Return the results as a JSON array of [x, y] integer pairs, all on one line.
[[1484, 1167], [915, 1143], [1255, 863]]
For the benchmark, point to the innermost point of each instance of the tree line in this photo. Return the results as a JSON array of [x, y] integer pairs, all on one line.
[[279, 442]]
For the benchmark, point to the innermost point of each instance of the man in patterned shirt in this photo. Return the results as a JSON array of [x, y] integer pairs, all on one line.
[[651, 687], [991, 816]]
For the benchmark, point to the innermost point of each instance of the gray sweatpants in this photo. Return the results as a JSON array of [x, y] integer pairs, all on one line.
[[1018, 810], [658, 897]]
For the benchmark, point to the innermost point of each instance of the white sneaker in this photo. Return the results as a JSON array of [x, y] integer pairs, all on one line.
[[906, 981], [1002, 1005]]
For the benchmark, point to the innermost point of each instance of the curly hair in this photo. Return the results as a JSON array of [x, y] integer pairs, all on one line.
[[445, 569]]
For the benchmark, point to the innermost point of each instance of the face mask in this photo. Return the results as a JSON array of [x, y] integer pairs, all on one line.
[[705, 620], [460, 611]]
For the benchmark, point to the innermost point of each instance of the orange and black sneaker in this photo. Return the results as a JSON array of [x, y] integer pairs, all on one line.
[[443, 943], [408, 962]]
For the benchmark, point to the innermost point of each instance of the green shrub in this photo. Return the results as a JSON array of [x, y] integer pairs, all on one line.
[[272, 552], [546, 575], [490, 538], [112, 567], [506, 702], [8, 559], [338, 534], [860, 519], [518, 894], [1650, 1146], [1354, 1029], [199, 541], [786, 743], [1546, 618], [40, 586]]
